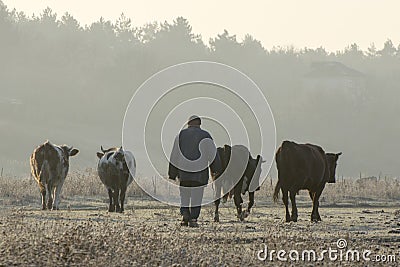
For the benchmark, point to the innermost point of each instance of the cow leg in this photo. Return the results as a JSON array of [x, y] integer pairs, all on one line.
[[246, 213], [294, 207], [251, 201], [49, 189], [55, 198], [43, 193], [122, 198], [116, 200], [216, 213], [217, 201], [43, 199], [111, 207], [314, 213], [312, 196], [238, 201], [315, 217], [285, 199], [57, 193]]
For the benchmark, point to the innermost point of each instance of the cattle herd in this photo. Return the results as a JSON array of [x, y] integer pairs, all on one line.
[[300, 166]]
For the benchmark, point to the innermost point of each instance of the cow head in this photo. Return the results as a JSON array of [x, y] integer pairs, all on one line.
[[221, 155], [255, 165], [104, 151], [332, 158], [118, 153], [69, 151], [254, 169]]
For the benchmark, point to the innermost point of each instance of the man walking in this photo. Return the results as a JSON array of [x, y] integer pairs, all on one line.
[[193, 153]]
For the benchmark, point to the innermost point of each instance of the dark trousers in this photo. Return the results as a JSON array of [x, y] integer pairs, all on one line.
[[191, 197]]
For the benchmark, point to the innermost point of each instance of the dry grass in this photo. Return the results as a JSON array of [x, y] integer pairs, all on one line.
[[387, 189], [346, 191], [151, 236], [78, 183], [86, 183], [148, 233]]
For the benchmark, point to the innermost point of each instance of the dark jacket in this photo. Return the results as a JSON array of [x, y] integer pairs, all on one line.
[[189, 140]]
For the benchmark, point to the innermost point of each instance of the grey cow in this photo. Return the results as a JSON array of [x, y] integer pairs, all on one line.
[[116, 169]]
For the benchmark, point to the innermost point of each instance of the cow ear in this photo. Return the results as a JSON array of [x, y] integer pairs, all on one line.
[[227, 148], [99, 155], [73, 152], [338, 154]]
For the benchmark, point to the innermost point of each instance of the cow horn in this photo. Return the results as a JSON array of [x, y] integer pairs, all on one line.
[[102, 149]]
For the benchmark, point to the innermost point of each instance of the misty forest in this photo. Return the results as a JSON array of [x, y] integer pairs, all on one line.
[[71, 83]]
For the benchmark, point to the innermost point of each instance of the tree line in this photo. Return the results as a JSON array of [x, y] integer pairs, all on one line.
[[75, 80]]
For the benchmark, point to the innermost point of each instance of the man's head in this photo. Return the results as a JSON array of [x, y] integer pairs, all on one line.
[[194, 120]]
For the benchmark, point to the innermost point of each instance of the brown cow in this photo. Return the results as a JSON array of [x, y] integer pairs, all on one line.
[[303, 166], [49, 166]]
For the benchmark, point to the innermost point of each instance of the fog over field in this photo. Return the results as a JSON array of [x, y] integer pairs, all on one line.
[[70, 83]]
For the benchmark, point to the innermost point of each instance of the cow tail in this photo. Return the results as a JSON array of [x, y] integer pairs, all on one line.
[[44, 173], [276, 191]]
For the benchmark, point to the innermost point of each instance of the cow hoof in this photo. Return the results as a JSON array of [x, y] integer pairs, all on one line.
[[246, 214], [241, 217], [314, 220], [216, 219]]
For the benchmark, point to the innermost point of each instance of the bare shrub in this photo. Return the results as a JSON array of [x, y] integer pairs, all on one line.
[[18, 190], [77, 183], [86, 183]]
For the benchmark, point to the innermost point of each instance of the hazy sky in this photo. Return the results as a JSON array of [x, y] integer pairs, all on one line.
[[332, 24]]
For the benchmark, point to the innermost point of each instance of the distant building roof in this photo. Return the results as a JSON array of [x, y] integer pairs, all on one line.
[[325, 69]]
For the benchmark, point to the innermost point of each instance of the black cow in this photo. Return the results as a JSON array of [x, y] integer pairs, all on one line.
[[240, 177], [303, 166], [115, 175]]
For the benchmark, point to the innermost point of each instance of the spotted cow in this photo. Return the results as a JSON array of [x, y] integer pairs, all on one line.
[[49, 166]]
